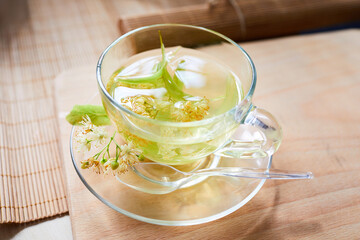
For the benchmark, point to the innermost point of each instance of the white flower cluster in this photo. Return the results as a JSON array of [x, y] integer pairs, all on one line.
[[89, 134], [126, 155]]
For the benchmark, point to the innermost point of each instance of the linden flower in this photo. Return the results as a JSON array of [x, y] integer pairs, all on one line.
[[88, 133], [186, 111], [99, 134], [84, 143], [142, 105], [108, 165], [116, 168], [93, 164], [129, 154], [128, 157], [86, 123], [181, 111]]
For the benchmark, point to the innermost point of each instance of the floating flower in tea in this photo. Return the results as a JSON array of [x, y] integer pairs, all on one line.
[[173, 104]]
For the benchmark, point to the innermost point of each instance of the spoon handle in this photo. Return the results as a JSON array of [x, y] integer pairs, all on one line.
[[261, 173]]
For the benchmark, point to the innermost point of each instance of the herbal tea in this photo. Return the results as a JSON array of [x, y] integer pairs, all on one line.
[[174, 85]]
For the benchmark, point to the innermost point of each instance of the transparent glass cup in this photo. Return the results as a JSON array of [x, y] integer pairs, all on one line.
[[179, 143]]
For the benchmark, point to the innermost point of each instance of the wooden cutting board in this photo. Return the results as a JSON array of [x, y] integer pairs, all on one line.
[[311, 84]]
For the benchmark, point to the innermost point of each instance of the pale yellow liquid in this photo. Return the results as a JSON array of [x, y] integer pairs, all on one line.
[[203, 76]]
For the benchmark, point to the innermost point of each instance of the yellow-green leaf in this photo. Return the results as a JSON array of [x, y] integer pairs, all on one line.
[[96, 113]]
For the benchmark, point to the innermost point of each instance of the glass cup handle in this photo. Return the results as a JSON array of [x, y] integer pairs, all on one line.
[[266, 126]]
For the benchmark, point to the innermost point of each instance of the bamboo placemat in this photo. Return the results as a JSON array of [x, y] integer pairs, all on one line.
[[31, 182], [38, 40], [34, 47]]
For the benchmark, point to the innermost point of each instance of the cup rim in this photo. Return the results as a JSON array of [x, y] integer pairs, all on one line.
[[169, 123]]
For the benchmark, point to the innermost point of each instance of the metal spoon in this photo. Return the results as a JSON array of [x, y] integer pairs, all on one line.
[[173, 179]]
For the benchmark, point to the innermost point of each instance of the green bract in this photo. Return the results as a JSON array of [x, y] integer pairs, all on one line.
[[173, 85], [96, 113]]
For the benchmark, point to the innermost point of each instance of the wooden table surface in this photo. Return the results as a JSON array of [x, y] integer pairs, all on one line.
[[310, 83]]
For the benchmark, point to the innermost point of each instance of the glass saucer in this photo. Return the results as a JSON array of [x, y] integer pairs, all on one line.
[[205, 200]]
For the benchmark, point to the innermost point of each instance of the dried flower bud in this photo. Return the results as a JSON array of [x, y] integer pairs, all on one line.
[[114, 165], [85, 165], [103, 161], [141, 157]]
